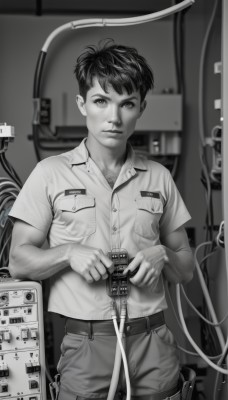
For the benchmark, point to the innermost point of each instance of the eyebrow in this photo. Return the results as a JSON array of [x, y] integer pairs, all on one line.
[[107, 97]]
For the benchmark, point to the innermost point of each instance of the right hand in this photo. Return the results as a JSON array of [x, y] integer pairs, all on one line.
[[91, 263]]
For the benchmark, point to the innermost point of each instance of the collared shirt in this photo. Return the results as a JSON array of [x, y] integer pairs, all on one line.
[[68, 198]]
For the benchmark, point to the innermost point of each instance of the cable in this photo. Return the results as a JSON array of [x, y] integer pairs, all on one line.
[[220, 236], [182, 329], [114, 318], [9, 190], [194, 354], [86, 23], [201, 73], [202, 152], [103, 22], [195, 309], [207, 296], [199, 314], [217, 375], [117, 362], [9, 169], [193, 343]]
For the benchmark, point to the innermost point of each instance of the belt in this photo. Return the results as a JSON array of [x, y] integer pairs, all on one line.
[[105, 327]]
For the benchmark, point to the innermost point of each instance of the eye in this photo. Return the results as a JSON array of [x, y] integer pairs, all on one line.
[[128, 104], [100, 102]]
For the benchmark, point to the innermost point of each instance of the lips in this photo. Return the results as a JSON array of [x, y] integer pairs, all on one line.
[[112, 131]]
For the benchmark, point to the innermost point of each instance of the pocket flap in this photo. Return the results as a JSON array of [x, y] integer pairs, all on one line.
[[76, 203], [150, 204], [83, 201]]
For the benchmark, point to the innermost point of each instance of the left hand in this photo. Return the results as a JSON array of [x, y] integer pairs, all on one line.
[[150, 262]]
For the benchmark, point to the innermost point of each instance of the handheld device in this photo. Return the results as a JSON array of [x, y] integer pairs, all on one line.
[[117, 284]]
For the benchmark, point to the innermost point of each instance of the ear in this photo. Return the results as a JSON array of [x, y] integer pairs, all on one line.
[[142, 107], [81, 104]]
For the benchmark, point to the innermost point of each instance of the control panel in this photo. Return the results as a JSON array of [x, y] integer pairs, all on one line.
[[22, 356]]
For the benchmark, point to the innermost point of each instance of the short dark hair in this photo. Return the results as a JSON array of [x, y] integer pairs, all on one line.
[[120, 66]]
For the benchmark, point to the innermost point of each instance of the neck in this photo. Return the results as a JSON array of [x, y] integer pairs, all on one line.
[[106, 158]]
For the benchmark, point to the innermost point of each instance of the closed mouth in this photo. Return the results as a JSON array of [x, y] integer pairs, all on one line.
[[113, 131]]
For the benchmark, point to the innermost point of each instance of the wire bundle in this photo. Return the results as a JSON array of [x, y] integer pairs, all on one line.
[[8, 193], [9, 189], [215, 361]]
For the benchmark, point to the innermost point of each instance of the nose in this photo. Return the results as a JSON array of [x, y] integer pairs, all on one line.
[[114, 115]]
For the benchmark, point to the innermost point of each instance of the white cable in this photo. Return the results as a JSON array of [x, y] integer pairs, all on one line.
[[196, 347], [220, 236], [103, 22], [194, 354], [4, 182], [198, 313], [182, 329], [117, 364], [124, 360], [207, 296]]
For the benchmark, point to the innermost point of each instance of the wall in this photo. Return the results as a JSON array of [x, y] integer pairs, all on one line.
[[18, 67], [21, 40]]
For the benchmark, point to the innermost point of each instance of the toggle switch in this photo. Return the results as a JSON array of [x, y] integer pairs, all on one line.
[[24, 334], [34, 334]]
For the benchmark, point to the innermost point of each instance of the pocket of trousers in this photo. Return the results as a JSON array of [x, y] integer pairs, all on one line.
[[166, 336], [71, 343]]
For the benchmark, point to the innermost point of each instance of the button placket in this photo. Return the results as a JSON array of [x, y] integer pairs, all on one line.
[[114, 222]]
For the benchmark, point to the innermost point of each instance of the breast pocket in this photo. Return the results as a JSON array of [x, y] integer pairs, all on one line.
[[78, 213], [148, 214]]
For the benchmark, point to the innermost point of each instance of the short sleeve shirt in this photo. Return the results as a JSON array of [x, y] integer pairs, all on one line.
[[68, 198]]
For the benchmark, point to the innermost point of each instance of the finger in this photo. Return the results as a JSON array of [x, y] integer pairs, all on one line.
[[135, 263], [152, 280], [88, 278], [145, 280], [138, 278], [142, 273], [95, 274], [102, 270], [107, 263]]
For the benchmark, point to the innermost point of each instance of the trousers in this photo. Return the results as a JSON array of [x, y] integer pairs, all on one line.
[[86, 365]]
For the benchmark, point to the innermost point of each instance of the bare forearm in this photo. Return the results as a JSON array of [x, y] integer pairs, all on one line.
[[30, 262], [180, 265]]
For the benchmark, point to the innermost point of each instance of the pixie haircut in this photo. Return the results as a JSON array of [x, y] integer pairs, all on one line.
[[120, 66]]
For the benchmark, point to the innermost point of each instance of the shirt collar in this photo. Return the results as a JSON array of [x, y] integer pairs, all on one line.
[[135, 160], [80, 155]]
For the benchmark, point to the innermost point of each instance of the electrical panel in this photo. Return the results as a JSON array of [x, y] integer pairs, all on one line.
[[22, 355]]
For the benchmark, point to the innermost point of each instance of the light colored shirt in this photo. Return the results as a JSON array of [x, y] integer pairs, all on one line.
[[68, 198]]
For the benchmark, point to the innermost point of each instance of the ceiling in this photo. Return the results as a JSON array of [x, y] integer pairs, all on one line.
[[52, 7]]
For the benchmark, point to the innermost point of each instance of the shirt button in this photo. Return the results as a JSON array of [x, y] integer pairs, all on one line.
[[73, 208], [114, 209], [114, 228]]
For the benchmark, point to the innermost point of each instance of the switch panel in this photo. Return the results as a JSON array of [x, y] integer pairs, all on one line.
[[22, 358]]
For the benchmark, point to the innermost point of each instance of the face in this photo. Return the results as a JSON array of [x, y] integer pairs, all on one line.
[[110, 117]]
